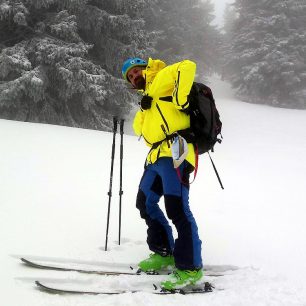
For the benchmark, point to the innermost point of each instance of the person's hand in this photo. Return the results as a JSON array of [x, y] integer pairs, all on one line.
[[146, 102]]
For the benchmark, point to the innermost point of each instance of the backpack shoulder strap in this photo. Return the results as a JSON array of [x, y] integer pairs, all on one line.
[[166, 98]]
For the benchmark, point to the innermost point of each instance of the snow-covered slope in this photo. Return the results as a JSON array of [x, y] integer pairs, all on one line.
[[53, 194]]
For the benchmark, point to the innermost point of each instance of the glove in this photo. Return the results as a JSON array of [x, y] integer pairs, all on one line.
[[146, 102]]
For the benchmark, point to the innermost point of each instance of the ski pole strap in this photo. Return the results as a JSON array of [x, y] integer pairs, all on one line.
[[217, 174]]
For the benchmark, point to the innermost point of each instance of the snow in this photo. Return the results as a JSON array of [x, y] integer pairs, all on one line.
[[36, 81], [4, 8], [53, 193]]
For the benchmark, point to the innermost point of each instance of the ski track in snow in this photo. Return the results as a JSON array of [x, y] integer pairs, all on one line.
[[53, 194]]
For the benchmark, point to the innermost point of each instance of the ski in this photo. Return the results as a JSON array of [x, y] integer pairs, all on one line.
[[55, 267], [58, 267], [205, 288]]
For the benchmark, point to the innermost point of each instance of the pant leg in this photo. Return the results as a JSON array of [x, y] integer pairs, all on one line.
[[159, 233], [187, 249]]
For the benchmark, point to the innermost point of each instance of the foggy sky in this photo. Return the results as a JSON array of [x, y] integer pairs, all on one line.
[[219, 10]]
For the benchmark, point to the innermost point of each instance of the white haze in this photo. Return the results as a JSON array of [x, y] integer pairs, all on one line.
[[219, 10]]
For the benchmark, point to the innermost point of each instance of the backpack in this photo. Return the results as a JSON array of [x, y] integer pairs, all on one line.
[[205, 124]]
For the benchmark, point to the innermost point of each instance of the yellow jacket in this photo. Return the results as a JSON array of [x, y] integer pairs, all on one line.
[[165, 117]]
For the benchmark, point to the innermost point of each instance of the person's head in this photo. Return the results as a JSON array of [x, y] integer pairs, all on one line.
[[132, 72]]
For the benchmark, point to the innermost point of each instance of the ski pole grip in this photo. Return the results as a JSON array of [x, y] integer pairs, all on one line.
[[115, 122], [121, 125]]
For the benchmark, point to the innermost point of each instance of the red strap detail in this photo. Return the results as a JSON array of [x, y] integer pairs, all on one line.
[[196, 162], [195, 168], [179, 175]]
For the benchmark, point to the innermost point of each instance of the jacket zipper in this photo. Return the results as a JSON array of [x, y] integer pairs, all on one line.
[[177, 87], [164, 119]]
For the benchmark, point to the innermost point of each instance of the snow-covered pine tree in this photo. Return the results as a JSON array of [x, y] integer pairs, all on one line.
[[115, 28], [266, 54], [184, 30], [48, 68]]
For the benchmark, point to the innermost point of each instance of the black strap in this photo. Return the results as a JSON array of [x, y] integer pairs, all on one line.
[[166, 98], [168, 138], [156, 144], [170, 99]]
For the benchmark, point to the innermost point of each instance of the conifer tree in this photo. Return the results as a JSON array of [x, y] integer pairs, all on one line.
[[266, 58], [60, 60]]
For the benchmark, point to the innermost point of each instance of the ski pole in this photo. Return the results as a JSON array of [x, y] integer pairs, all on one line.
[[115, 121], [120, 187], [217, 174]]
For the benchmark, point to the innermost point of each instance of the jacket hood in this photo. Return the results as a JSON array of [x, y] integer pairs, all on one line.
[[153, 67]]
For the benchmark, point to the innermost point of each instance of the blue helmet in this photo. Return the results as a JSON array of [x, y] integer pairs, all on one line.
[[130, 63]]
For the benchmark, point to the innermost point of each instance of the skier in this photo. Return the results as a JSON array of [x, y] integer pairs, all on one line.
[[162, 113]]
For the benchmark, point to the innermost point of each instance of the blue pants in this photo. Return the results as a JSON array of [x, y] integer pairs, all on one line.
[[161, 179]]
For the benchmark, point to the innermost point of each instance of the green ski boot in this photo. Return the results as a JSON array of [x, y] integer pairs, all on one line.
[[182, 278], [156, 263]]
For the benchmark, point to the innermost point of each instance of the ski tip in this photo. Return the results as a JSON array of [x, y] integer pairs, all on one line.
[[51, 290], [28, 262], [24, 260], [41, 286]]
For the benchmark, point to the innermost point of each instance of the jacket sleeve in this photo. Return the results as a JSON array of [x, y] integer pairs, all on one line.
[[184, 74], [138, 122]]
